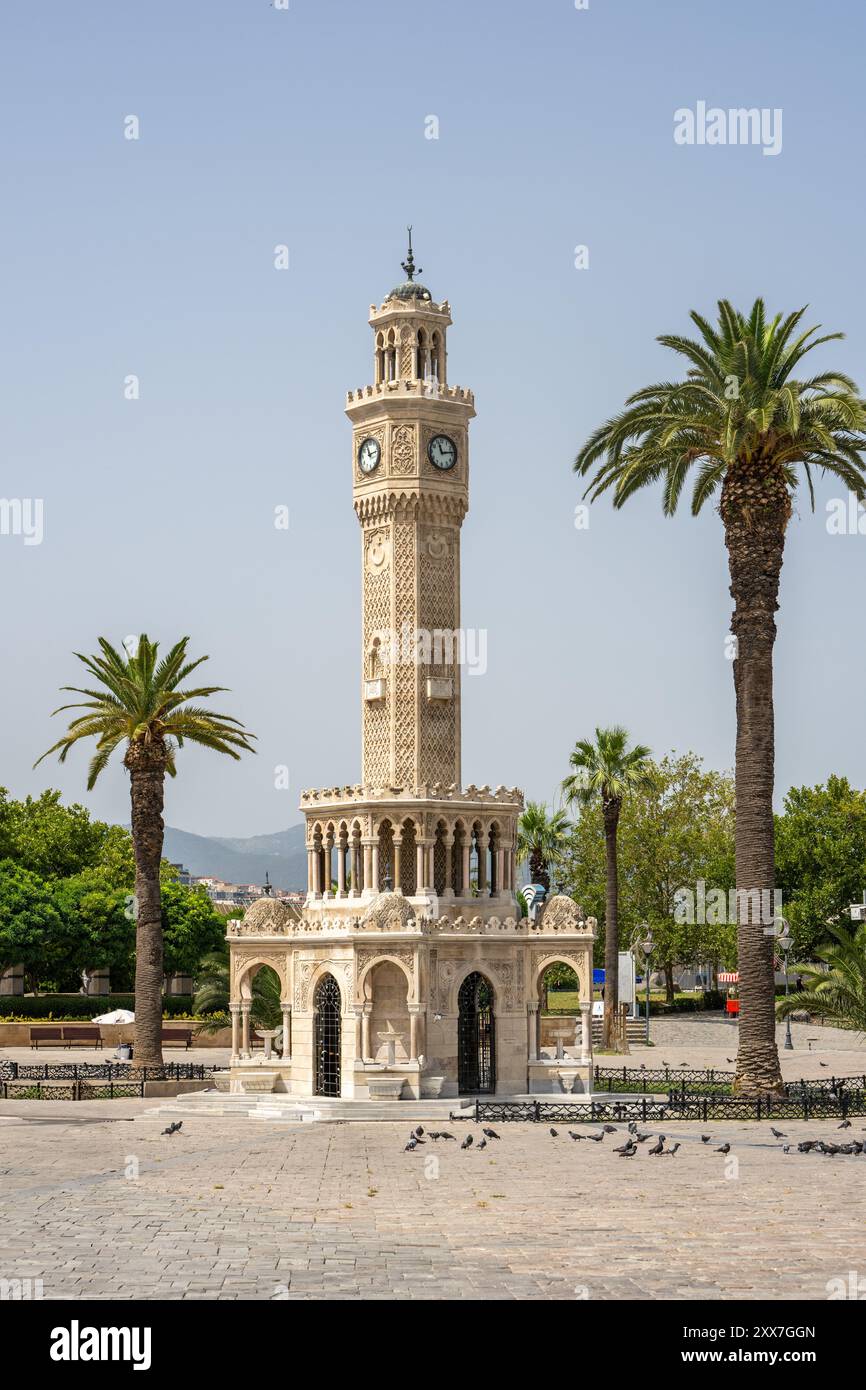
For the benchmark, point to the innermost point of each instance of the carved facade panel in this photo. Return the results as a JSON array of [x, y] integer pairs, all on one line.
[[404, 450]]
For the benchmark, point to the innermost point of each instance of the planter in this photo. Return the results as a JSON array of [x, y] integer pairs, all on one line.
[[385, 1087], [431, 1087], [254, 1083]]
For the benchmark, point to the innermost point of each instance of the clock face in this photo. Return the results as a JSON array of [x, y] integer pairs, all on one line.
[[369, 455], [442, 452]]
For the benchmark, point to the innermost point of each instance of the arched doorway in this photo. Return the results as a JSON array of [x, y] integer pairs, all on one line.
[[326, 1007], [476, 1037]]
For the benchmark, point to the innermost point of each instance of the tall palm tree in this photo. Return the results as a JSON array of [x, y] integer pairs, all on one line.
[[748, 424], [140, 702], [541, 837], [605, 771], [837, 993]]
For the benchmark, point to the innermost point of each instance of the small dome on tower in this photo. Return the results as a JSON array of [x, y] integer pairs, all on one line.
[[409, 289]]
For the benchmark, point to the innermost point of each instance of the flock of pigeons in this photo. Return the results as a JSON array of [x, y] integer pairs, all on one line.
[[636, 1137]]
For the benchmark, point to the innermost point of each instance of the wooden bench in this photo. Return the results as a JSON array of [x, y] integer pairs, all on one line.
[[176, 1035], [91, 1036], [49, 1035]]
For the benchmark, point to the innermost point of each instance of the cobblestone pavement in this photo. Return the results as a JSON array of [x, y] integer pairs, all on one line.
[[236, 1209]]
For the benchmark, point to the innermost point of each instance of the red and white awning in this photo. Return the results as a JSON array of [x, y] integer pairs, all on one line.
[[729, 977]]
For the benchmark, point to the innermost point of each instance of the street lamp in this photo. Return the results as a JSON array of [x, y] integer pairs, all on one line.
[[647, 946], [785, 946]]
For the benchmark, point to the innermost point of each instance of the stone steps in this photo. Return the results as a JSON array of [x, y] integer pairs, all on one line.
[[277, 1108]]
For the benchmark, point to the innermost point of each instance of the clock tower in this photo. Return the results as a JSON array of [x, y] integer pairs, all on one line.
[[410, 462]]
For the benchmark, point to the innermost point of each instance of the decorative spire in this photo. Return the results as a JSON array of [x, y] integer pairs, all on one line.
[[409, 264]]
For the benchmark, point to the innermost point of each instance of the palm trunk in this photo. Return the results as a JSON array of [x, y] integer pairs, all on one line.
[[755, 516], [146, 766], [611, 924], [538, 870]]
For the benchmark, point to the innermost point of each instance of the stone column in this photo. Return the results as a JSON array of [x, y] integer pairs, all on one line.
[[416, 1031], [286, 1007], [341, 869], [368, 865], [448, 842], [357, 884], [365, 1033], [374, 868], [532, 1031], [245, 1028], [500, 872], [464, 886], [326, 870], [398, 845], [482, 867], [420, 868], [585, 1033], [234, 1010]]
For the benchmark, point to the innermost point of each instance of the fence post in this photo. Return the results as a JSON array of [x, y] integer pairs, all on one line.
[[537, 1111]]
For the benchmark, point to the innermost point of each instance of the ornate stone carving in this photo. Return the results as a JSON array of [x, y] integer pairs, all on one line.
[[404, 450], [387, 912], [561, 914], [267, 917]]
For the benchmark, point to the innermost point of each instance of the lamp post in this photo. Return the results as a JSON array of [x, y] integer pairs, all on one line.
[[647, 945], [785, 946]]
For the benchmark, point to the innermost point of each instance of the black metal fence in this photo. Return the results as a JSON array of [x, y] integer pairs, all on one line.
[[89, 1080], [687, 1081], [814, 1105]]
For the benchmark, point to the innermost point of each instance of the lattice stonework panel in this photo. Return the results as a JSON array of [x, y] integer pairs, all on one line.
[[377, 619], [405, 673], [404, 450], [439, 612]]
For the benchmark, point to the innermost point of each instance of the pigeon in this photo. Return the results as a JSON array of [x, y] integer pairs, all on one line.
[[596, 1138], [632, 1126], [725, 1149], [467, 1142], [777, 1133], [609, 1129], [806, 1146], [669, 1153], [572, 1135], [629, 1147], [823, 1064], [482, 1144], [433, 1134], [626, 1153], [411, 1146], [856, 1146], [443, 1134], [730, 1059], [706, 1138], [658, 1146], [641, 1138], [419, 1131], [844, 1149], [173, 1127], [491, 1133], [416, 1140], [554, 1132], [846, 1124], [786, 1148]]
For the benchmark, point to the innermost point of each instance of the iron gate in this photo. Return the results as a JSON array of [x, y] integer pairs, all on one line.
[[476, 1037], [326, 1006]]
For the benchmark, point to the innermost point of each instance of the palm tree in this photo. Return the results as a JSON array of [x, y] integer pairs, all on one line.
[[140, 702], [213, 993], [837, 993], [541, 836], [606, 771], [742, 417]]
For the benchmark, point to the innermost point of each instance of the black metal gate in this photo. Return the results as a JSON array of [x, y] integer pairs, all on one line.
[[476, 1037], [326, 1005]]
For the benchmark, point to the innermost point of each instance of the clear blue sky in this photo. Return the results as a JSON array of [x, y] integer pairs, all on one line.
[[307, 127]]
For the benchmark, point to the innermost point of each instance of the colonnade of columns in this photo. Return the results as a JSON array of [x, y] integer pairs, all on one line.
[[366, 865], [241, 1041]]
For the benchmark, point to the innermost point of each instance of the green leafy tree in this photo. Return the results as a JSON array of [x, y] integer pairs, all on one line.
[[541, 837], [29, 920], [52, 840], [191, 928], [820, 859], [747, 423], [671, 835], [603, 774], [96, 927], [838, 991], [139, 702]]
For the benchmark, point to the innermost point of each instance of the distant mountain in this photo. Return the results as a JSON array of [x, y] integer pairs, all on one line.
[[282, 856]]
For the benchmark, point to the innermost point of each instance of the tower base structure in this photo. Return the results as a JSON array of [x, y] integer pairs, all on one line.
[[410, 974]]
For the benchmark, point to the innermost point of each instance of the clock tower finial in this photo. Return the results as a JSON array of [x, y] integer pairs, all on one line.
[[408, 266]]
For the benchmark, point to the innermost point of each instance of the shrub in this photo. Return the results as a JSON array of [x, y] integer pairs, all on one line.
[[81, 1006]]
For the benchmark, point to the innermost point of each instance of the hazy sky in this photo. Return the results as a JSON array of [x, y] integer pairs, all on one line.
[[155, 257]]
